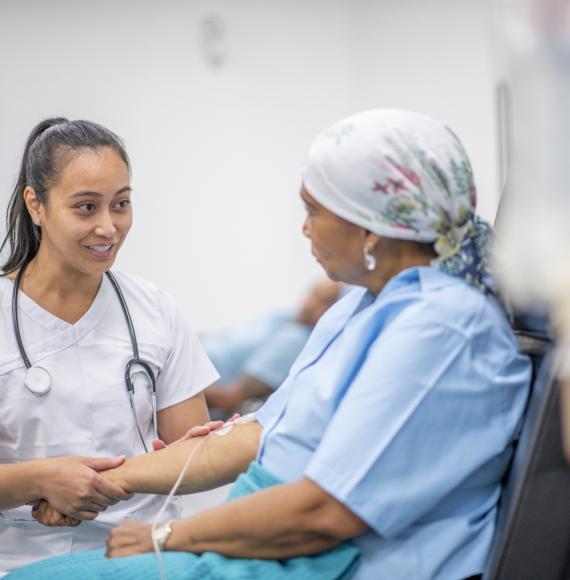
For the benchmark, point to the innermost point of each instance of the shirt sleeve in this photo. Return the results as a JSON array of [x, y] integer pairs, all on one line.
[[271, 361], [417, 419], [188, 369]]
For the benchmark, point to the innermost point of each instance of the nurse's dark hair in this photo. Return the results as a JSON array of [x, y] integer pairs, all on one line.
[[50, 146]]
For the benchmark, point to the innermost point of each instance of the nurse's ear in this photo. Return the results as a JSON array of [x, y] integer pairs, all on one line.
[[34, 205]]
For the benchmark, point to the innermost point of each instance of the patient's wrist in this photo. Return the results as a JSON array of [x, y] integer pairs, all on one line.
[[119, 476], [161, 534], [178, 539]]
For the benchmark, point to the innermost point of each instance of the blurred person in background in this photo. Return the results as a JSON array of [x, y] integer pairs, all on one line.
[[254, 358]]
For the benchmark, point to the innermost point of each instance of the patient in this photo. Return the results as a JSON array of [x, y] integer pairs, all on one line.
[[254, 358], [382, 453]]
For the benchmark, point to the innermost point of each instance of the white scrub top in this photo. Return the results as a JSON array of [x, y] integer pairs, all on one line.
[[87, 411], [405, 407]]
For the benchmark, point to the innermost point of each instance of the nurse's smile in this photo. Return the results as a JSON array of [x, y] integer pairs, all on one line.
[[101, 252]]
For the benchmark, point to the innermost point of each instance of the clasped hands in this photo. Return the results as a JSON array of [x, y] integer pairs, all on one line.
[[81, 491]]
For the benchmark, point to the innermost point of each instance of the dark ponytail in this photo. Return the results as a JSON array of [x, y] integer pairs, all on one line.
[[45, 155]]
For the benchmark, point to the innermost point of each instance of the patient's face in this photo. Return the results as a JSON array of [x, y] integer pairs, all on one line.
[[336, 244]]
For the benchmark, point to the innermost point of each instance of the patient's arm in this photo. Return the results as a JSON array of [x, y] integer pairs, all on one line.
[[282, 521], [220, 460]]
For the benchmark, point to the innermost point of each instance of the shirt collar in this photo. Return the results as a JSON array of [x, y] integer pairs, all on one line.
[[426, 277], [432, 278]]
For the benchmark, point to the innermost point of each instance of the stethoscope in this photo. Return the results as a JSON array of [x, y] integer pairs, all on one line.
[[38, 380]]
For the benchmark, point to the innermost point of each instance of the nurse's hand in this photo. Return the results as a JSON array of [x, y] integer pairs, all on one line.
[[197, 431], [74, 488], [45, 514], [128, 539]]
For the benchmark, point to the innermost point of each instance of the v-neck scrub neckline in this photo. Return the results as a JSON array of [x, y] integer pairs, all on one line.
[[62, 334], [52, 322]]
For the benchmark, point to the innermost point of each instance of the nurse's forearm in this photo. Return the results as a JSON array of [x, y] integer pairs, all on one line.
[[219, 461], [19, 483], [71, 484]]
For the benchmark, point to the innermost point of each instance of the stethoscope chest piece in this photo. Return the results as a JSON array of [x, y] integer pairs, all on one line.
[[38, 381]]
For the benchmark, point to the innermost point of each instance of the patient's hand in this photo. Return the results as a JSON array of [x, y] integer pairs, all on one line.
[[197, 431], [128, 539], [47, 515]]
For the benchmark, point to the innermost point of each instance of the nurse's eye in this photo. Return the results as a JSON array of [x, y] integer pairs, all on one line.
[[124, 203], [87, 208]]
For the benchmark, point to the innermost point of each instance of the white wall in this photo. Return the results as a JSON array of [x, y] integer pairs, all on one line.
[[436, 57], [217, 151]]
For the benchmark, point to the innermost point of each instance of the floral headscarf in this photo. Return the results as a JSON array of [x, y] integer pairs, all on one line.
[[403, 175]]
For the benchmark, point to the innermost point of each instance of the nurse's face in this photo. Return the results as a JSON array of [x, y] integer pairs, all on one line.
[[87, 214], [336, 244]]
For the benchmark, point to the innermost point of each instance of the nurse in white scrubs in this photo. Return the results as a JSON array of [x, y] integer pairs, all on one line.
[[69, 214]]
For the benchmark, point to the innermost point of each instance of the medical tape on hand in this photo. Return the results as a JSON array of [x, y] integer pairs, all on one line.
[[229, 425]]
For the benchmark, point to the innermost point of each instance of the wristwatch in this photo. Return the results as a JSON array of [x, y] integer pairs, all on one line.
[[161, 533]]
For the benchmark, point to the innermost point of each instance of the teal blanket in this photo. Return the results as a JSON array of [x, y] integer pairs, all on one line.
[[338, 563]]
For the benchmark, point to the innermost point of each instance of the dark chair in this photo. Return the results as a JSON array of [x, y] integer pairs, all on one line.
[[532, 540]]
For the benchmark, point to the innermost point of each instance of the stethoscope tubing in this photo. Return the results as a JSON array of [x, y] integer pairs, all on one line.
[[16, 321], [126, 312], [136, 358]]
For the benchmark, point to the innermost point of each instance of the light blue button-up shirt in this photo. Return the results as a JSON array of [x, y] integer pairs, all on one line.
[[404, 407]]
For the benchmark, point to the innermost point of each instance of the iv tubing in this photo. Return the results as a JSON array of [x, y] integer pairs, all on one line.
[[224, 430]]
